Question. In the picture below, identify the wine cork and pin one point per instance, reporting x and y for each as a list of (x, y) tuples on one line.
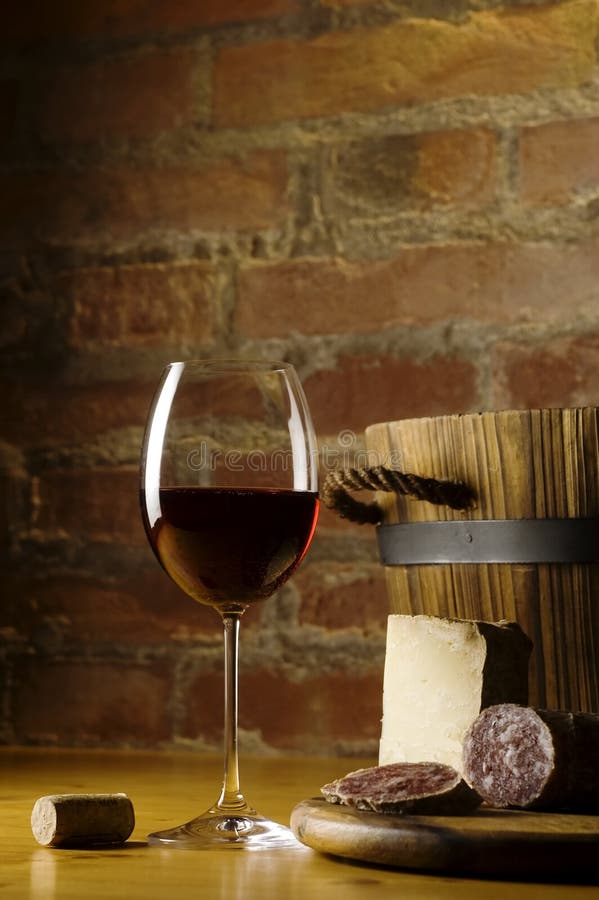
[(77, 820)]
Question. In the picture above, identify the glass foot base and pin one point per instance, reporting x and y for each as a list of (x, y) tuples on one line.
[(229, 831)]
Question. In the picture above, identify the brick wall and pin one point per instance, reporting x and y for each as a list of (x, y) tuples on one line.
[(400, 198)]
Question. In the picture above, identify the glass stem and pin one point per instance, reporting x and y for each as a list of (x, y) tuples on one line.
[(231, 799)]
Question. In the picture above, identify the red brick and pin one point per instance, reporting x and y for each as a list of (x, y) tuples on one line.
[(139, 304), (99, 504), (125, 18), (41, 414), (561, 373), (137, 610), (412, 172), (91, 702), (306, 716), (341, 595), (487, 282), (52, 413), (82, 205), (420, 285), (311, 714), (135, 97), (363, 390), (559, 160), (229, 395), (204, 708), (408, 61), (548, 281)]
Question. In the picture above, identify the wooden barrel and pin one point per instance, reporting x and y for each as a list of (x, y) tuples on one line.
[(527, 468)]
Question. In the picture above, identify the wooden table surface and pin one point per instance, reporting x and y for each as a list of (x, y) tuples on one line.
[(169, 788)]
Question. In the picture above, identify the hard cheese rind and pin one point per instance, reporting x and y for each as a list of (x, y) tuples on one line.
[(439, 674)]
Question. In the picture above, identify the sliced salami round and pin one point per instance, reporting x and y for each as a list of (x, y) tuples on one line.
[(534, 759), (422, 787)]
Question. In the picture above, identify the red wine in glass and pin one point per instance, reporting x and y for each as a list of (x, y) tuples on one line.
[(230, 530), (229, 547)]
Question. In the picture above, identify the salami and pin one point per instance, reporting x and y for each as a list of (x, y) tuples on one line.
[(423, 787), (516, 756)]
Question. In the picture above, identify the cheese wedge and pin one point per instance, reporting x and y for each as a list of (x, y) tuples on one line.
[(439, 674)]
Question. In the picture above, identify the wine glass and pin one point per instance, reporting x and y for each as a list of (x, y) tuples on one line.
[(229, 502)]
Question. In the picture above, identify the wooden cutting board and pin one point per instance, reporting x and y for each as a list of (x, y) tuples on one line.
[(489, 843)]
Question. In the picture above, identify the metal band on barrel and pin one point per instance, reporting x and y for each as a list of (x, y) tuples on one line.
[(490, 541)]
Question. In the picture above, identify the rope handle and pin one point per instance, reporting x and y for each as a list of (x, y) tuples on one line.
[(339, 482)]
